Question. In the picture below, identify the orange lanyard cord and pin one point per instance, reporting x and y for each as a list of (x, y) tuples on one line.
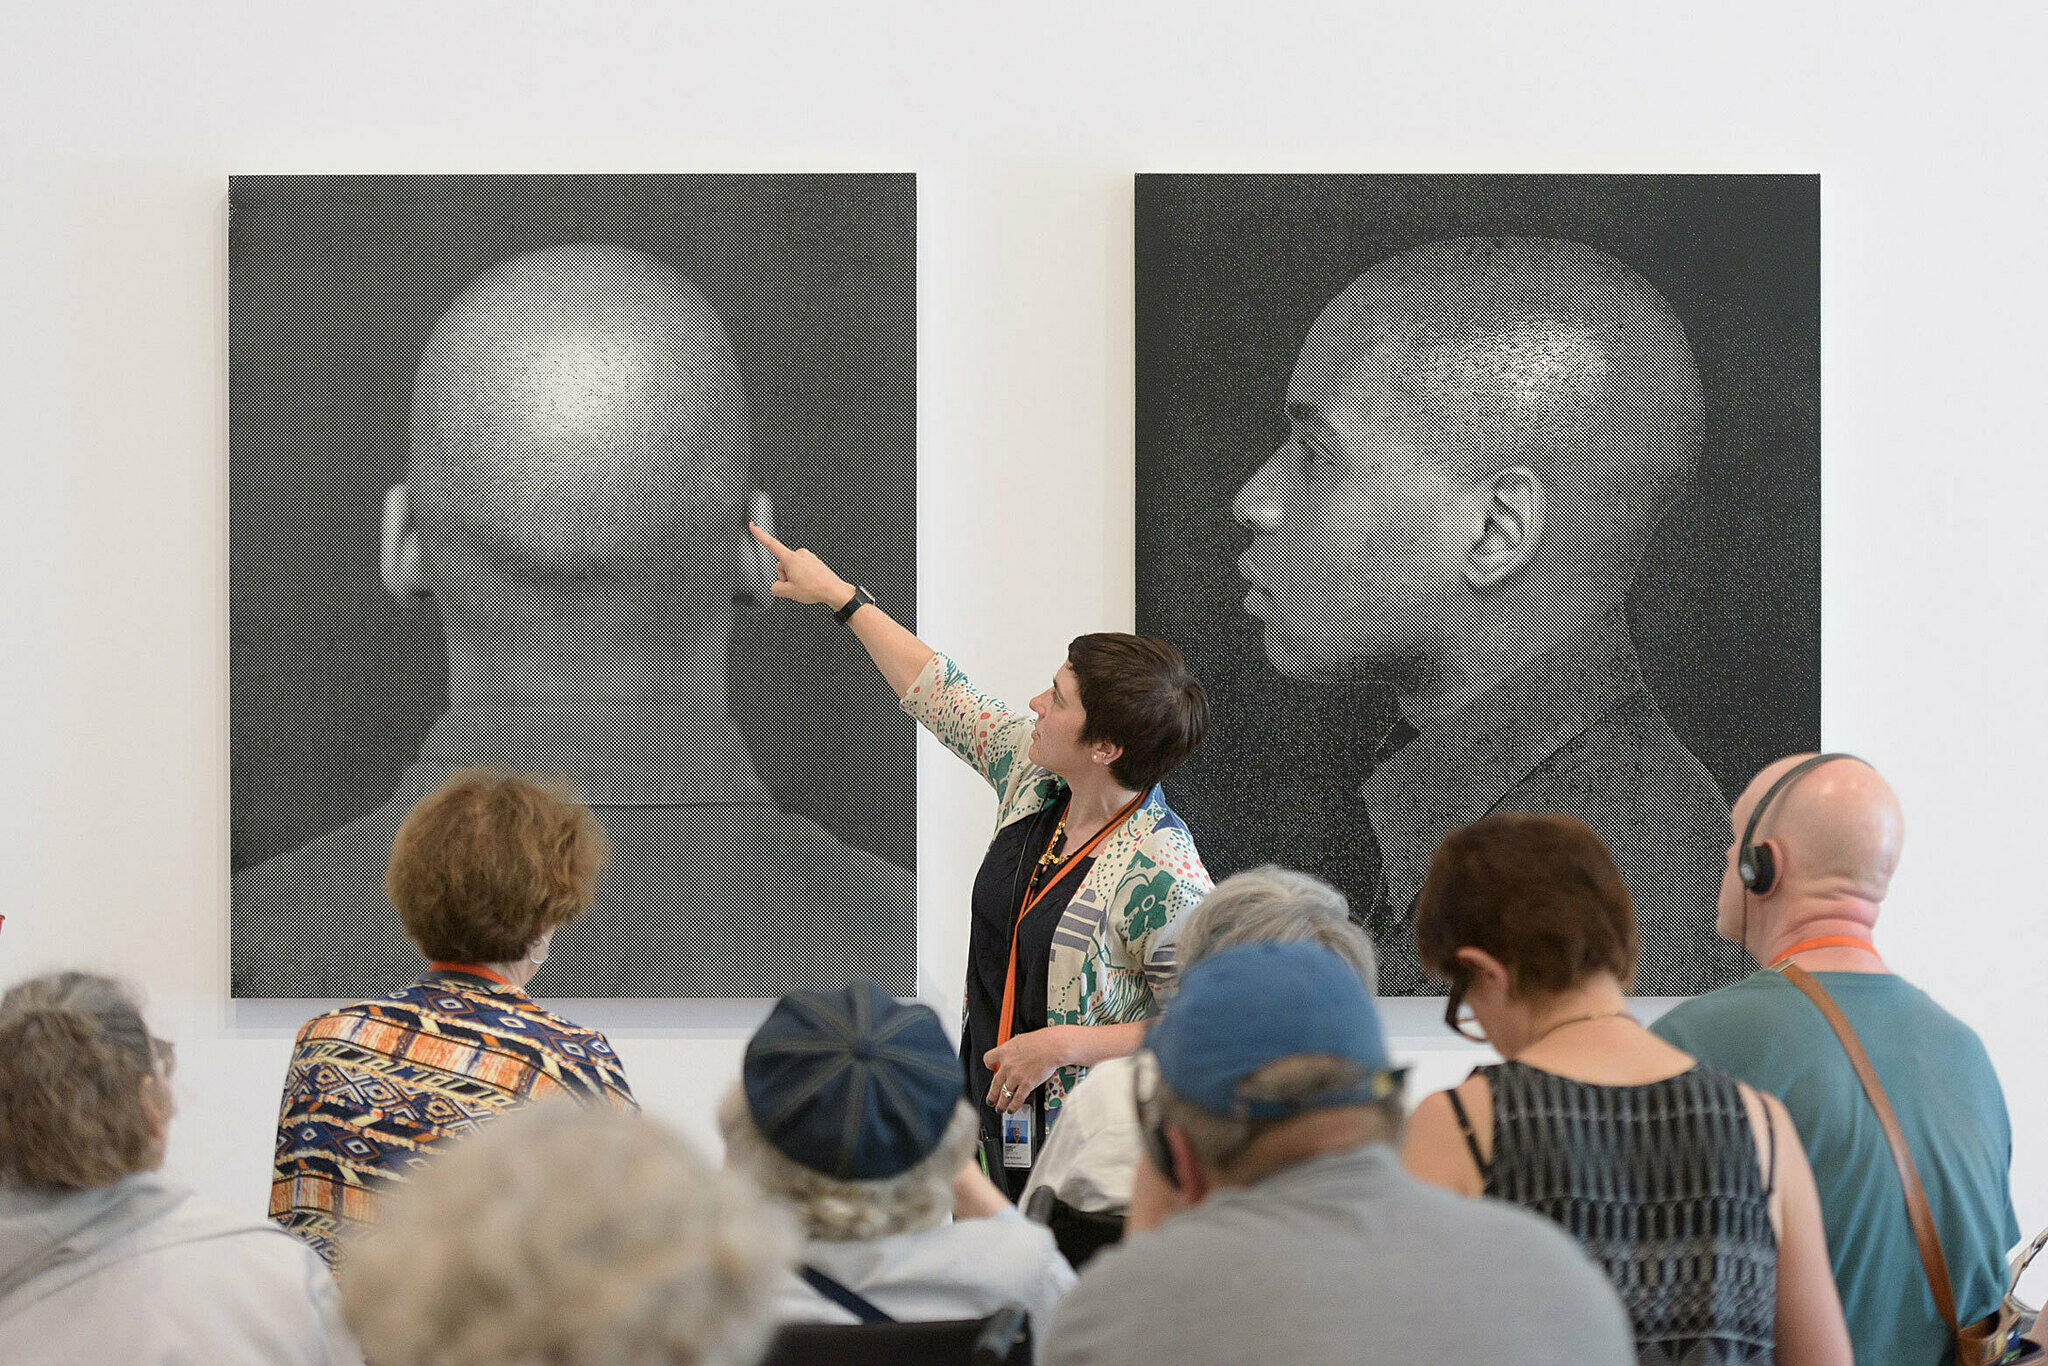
[(471, 969), (1830, 941), (1067, 865)]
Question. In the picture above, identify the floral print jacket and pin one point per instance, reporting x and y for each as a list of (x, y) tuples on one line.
[(1109, 955)]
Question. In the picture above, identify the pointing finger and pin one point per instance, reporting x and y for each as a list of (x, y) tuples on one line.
[(774, 547)]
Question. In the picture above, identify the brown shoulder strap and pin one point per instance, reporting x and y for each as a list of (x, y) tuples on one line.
[(1917, 1213)]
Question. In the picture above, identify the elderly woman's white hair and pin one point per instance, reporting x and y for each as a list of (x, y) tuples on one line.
[(838, 1211), (1274, 905), (574, 1238)]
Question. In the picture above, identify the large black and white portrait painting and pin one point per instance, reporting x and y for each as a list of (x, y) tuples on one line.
[(495, 444), (1482, 492)]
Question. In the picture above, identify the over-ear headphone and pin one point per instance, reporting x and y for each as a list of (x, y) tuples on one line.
[(1755, 866), (1161, 1151), (1151, 1127)]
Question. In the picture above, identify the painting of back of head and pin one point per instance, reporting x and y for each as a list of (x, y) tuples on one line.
[(1469, 493), (495, 444)]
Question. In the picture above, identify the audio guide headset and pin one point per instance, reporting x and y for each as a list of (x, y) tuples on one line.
[(1151, 1127), (1754, 864), (1161, 1151)]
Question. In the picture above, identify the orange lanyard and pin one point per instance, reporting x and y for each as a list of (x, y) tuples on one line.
[(1830, 941), (1067, 865), (472, 969)]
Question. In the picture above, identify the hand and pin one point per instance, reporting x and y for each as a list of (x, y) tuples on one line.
[(1023, 1064), (802, 576)]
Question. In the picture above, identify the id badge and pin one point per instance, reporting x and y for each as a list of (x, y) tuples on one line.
[(1017, 1139)]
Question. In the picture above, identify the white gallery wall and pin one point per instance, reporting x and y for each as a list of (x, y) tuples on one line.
[(1024, 124)]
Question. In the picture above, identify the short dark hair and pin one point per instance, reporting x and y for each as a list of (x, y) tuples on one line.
[(1138, 695), (1538, 892), (489, 862)]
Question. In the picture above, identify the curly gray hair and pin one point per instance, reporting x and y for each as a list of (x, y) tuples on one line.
[(850, 1211), (572, 1237), (1274, 905), (84, 1088)]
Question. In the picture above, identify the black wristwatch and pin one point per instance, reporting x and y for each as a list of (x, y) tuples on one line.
[(861, 597)]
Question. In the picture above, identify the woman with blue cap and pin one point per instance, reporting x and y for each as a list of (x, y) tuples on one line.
[(850, 1110)]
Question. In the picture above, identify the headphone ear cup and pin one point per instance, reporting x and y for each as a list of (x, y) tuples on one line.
[(1761, 871)]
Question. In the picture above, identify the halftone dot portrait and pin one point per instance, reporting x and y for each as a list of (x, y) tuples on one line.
[(496, 441), (1468, 493)]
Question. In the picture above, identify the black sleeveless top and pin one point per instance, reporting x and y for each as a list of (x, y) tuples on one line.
[(1660, 1184)]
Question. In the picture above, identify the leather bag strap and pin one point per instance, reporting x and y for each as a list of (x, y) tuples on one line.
[(1917, 1213)]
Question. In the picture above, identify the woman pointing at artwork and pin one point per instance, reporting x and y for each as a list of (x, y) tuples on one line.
[(1088, 863)]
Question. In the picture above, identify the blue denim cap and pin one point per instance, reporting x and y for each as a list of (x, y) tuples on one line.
[(851, 1083), (1254, 1004)]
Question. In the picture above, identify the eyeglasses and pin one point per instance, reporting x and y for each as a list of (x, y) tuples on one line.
[(1458, 1015)]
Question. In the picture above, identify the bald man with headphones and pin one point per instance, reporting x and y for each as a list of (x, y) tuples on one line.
[(576, 510), (1814, 842)]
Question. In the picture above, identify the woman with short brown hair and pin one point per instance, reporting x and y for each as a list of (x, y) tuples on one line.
[(101, 1257), (1087, 867), (483, 872), (1689, 1187), (491, 864)]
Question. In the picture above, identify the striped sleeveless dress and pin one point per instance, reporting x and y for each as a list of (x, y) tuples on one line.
[(1660, 1184)]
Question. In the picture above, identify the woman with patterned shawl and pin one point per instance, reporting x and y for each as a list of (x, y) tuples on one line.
[(484, 870), (1088, 865)]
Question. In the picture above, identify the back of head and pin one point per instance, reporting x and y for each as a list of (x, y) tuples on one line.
[(490, 861), (1274, 905), (1540, 893), (1839, 827), (578, 413), (1544, 353), (74, 1056), (582, 1237), (837, 1209), (1263, 1037), (851, 1108), (1139, 694)]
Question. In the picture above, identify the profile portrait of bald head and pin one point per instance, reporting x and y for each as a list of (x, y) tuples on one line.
[(1482, 435), (574, 512)]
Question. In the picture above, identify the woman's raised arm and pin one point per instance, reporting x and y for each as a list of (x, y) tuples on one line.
[(803, 577)]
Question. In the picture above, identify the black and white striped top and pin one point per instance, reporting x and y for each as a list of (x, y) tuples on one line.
[(1661, 1185)]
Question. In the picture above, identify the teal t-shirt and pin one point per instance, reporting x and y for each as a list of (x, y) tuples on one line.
[(1940, 1081)]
